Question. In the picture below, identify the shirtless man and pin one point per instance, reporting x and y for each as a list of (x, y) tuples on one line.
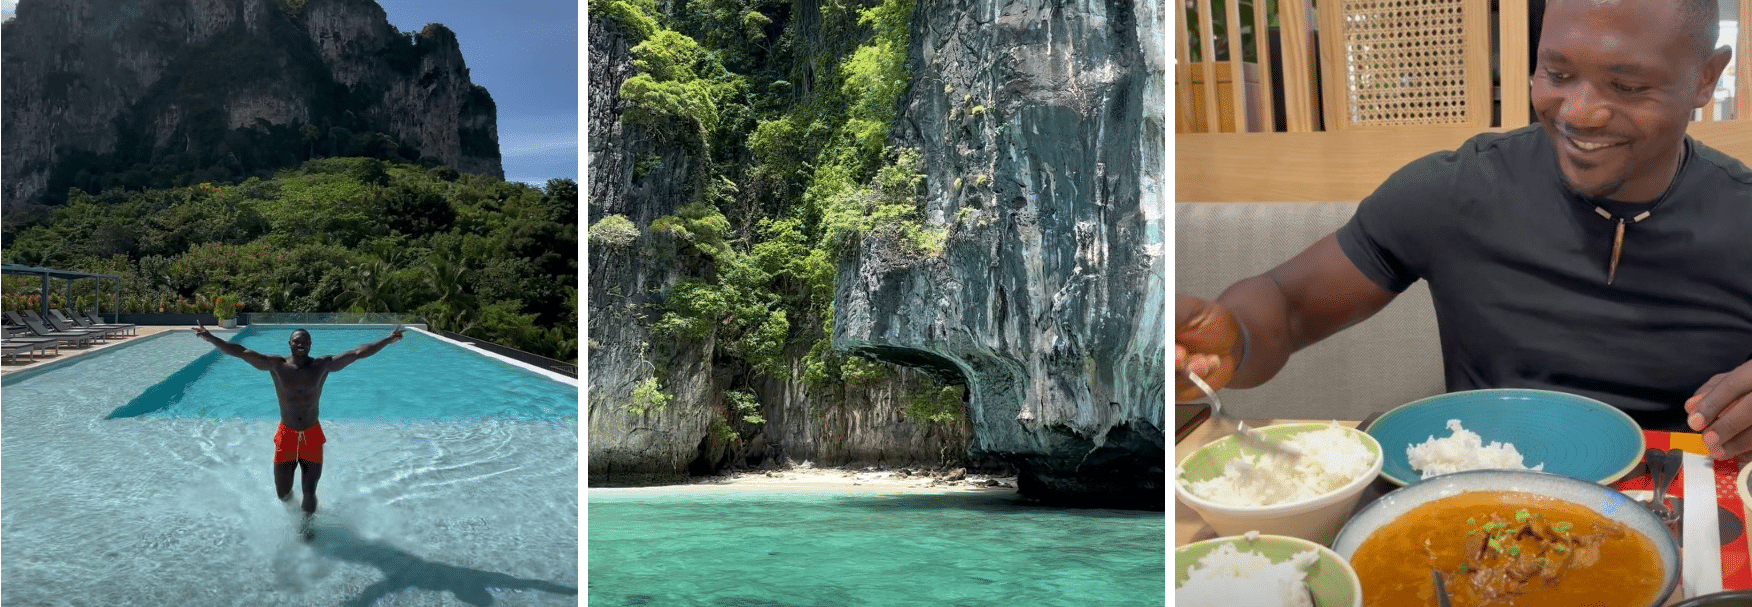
[(298, 382)]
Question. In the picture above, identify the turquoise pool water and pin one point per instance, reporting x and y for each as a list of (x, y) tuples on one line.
[(166, 508), (724, 549), (420, 377)]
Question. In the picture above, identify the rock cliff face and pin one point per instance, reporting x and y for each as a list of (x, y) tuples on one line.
[(106, 84), (697, 432), (1042, 129)]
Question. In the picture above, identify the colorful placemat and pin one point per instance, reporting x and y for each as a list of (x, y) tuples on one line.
[(1736, 571)]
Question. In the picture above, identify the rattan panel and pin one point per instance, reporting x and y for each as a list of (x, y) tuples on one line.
[(1407, 61)]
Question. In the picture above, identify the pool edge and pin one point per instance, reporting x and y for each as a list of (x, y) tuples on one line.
[(466, 346), (23, 374), (469, 346)]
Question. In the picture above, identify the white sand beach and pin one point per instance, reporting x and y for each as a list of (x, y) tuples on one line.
[(867, 479)]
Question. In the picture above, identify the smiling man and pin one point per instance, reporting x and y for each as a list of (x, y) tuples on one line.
[(1601, 252), (298, 383)]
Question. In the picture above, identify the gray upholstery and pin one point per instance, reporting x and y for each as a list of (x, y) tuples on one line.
[(1388, 360)]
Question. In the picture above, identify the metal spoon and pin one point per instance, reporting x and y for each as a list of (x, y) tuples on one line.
[(1441, 590), (1663, 467), (1248, 436), (1656, 460)]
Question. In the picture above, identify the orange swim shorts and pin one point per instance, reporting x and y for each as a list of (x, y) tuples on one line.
[(292, 445)]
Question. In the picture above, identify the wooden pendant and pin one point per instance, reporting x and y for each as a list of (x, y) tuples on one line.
[(1618, 239), (1617, 247)]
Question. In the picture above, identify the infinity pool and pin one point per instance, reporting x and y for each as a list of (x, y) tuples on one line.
[(420, 377), (450, 478)]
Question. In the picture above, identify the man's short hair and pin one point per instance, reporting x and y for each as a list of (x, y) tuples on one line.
[(1703, 22), (297, 331), (1701, 19)]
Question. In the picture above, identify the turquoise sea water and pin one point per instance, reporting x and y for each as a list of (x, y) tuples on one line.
[(673, 547)]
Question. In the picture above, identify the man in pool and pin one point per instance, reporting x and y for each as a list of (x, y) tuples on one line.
[(298, 382)]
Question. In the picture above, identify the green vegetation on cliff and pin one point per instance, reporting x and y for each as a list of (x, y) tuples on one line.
[(471, 254), (789, 107)]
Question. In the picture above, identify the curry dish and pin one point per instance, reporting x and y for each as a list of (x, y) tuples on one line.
[(1503, 548)]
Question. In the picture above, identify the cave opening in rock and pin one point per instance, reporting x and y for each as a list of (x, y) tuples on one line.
[(944, 370)]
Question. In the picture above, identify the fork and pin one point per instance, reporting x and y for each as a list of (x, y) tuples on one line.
[(1248, 435)]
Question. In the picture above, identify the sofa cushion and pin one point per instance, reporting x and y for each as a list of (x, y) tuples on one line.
[(1388, 360)]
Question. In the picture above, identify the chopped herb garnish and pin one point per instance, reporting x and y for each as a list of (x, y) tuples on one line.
[(1562, 529), (1495, 545), (1521, 516), (1464, 568), (1514, 551)]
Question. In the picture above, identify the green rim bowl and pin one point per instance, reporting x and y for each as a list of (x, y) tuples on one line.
[(1330, 578), (1317, 519)]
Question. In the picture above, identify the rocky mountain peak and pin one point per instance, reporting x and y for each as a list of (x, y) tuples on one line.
[(136, 93)]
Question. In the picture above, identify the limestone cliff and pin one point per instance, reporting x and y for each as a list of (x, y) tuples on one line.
[(96, 87), (1040, 124), (697, 431), (1042, 127)]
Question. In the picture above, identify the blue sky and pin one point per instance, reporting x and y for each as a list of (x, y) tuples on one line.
[(525, 52)]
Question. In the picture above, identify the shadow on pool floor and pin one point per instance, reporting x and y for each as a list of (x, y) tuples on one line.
[(402, 571)]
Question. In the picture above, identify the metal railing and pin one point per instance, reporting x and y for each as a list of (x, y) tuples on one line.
[(328, 318)]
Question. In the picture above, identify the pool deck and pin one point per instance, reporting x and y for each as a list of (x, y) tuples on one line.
[(9, 367)]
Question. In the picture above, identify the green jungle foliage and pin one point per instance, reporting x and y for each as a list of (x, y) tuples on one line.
[(476, 255), (943, 405), (791, 116)]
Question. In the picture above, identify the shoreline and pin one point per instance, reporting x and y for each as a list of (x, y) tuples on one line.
[(805, 477)]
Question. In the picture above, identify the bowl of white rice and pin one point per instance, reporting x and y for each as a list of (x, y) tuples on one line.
[(1508, 428), (1237, 488), (1256, 570)]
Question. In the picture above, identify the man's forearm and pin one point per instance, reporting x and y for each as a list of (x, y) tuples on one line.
[(222, 345), (212, 339), (1261, 308), (373, 347)]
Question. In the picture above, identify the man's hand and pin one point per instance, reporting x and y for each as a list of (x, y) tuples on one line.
[(396, 334), (1722, 411), (1207, 341), (201, 330)]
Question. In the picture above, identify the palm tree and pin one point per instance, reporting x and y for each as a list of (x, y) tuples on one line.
[(454, 304), (368, 289)]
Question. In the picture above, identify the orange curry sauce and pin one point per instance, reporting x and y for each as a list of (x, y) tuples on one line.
[(1503, 548)]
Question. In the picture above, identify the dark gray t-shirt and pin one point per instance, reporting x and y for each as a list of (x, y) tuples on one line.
[(1517, 262)]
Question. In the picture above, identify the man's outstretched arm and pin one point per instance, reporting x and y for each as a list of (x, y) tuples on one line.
[(255, 359), (349, 357), (1245, 336)]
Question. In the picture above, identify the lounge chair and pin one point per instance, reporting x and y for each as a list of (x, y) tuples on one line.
[(56, 322), (91, 315), (14, 346), (75, 321), (80, 338)]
